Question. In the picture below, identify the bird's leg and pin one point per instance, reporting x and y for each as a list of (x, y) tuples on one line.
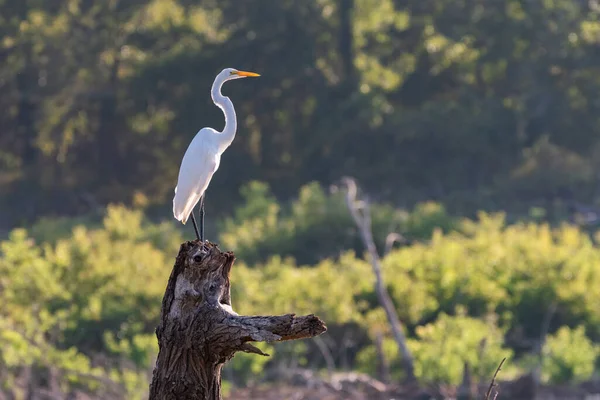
[(202, 217), (195, 226)]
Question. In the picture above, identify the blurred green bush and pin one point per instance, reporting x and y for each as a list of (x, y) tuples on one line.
[(441, 349), (317, 225), (85, 303), (569, 356)]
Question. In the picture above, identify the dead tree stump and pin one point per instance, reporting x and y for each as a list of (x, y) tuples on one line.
[(199, 331)]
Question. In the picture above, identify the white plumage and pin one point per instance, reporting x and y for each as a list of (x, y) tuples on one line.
[(203, 155), (198, 166)]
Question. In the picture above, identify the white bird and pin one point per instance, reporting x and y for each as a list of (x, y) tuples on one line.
[(203, 155)]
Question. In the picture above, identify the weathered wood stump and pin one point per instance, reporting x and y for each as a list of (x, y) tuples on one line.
[(199, 331)]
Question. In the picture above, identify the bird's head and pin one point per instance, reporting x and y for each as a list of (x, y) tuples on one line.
[(232, 73)]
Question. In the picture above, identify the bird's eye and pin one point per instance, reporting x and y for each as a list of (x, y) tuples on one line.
[(197, 259), (232, 72)]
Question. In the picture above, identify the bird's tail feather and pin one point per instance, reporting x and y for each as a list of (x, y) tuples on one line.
[(181, 210)]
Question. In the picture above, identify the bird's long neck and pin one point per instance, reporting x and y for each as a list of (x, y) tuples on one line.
[(225, 104)]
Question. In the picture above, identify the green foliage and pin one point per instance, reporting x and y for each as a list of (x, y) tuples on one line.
[(569, 356), (49, 230), (85, 303), (513, 270), (279, 287), (367, 359), (93, 292), (426, 218), (452, 111), (486, 266), (549, 170), (245, 368), (442, 348), (487, 107), (317, 225)]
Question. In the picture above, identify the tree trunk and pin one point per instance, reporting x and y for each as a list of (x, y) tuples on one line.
[(359, 209), (199, 331)]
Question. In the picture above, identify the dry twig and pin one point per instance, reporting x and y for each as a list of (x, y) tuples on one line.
[(493, 382)]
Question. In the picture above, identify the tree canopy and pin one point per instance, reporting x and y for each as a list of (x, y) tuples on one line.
[(476, 104)]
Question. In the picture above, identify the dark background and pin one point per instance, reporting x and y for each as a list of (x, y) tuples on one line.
[(477, 104)]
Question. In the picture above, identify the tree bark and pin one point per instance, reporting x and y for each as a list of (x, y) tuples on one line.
[(199, 331)]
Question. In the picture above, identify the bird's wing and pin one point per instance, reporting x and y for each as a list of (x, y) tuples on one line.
[(197, 168)]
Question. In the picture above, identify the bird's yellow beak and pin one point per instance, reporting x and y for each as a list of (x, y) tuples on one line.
[(247, 74)]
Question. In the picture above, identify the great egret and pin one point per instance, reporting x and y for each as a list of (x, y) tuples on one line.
[(203, 155)]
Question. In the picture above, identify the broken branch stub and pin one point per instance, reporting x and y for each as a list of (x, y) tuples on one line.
[(199, 331)]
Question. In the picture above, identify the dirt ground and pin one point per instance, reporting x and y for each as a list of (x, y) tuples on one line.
[(361, 387), (296, 393)]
